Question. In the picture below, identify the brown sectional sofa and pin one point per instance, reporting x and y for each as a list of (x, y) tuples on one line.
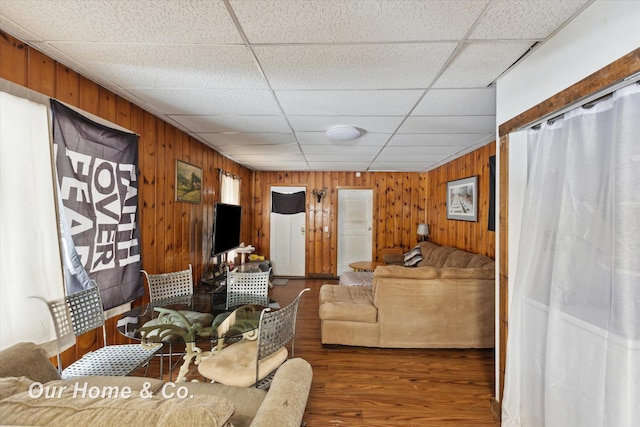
[(32, 393), (447, 301)]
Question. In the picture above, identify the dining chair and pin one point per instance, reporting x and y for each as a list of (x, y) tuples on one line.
[(82, 312), (178, 286), (254, 361), (247, 288)]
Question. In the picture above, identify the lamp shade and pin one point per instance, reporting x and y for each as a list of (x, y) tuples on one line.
[(423, 229), (343, 133)]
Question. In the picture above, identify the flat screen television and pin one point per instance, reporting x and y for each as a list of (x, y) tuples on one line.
[(226, 228)]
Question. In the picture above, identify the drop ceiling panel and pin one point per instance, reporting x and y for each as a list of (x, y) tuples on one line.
[(531, 19), (448, 124), (480, 63), (343, 151), (459, 139), (201, 124), (338, 165), (320, 138), (427, 150), (169, 66), (348, 102), (328, 21), (263, 150), (402, 166), (323, 123), (460, 102), (141, 21), (210, 101), (257, 138), (354, 66)]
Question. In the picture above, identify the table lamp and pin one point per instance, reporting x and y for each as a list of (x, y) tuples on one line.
[(423, 230)]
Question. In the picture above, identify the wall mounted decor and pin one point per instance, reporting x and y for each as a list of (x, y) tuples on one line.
[(188, 182), (462, 199)]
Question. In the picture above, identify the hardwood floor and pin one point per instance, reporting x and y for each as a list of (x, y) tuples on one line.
[(357, 386)]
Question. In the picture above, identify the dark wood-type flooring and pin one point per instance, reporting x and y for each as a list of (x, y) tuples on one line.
[(357, 386)]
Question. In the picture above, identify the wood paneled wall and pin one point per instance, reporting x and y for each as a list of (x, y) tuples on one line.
[(402, 200), (471, 236), (399, 206)]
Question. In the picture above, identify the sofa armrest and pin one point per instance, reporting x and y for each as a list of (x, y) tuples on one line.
[(286, 400)]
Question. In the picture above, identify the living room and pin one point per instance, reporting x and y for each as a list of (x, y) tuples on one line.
[(174, 234)]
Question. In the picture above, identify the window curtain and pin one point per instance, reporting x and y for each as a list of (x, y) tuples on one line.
[(30, 260), (573, 353), (230, 194)]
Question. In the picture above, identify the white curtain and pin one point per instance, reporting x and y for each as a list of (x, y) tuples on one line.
[(573, 353), (30, 263), (229, 189)]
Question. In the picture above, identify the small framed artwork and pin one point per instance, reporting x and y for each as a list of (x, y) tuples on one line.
[(462, 199), (188, 182)]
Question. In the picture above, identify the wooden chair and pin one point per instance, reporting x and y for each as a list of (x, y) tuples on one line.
[(83, 312), (253, 362)]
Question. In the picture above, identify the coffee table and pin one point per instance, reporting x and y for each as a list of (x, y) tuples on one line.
[(168, 321), (364, 265)]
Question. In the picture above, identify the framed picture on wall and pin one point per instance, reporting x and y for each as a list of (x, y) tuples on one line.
[(462, 199), (188, 182)]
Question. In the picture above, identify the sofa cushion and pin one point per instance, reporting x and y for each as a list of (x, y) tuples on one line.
[(13, 385), (29, 360), (413, 257), (353, 303), (467, 273), (246, 400), (481, 261), (67, 409), (457, 259), (437, 257)]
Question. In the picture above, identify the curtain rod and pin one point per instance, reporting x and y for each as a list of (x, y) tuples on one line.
[(227, 173), (592, 102)]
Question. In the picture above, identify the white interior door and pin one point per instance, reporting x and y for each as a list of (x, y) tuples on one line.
[(355, 227), (287, 242)]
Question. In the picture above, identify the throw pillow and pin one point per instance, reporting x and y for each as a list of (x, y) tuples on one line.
[(413, 257)]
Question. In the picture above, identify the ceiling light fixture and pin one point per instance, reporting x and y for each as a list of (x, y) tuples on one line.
[(343, 133)]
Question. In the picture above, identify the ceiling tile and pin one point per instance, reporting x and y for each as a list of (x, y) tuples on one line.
[(448, 124), (440, 102), (169, 66), (257, 138), (320, 138), (459, 139), (426, 150), (210, 101), (348, 102), (312, 21), (480, 63), (353, 66), (338, 166), (140, 21), (525, 19), (263, 150), (402, 166), (201, 124), (323, 123)]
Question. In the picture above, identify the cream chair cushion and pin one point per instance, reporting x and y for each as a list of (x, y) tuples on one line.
[(236, 364)]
